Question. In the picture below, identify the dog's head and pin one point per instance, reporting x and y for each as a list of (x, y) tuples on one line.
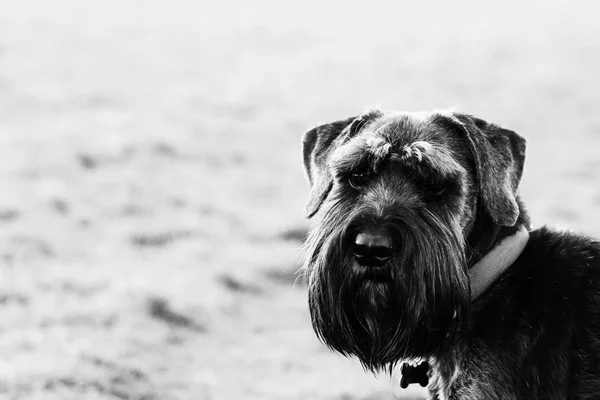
[(400, 192)]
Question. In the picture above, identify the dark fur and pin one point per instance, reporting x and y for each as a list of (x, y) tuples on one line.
[(533, 335)]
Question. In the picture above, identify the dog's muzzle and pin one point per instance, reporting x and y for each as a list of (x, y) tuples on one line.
[(385, 286)]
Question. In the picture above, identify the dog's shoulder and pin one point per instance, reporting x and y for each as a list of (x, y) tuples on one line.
[(560, 270), (556, 276), (567, 296), (556, 248)]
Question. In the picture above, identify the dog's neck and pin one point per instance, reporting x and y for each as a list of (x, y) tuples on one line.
[(492, 248), (483, 274)]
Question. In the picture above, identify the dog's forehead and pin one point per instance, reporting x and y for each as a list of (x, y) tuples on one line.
[(401, 128)]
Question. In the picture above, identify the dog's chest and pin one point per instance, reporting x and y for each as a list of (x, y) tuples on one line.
[(449, 382)]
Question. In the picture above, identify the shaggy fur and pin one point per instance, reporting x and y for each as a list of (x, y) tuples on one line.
[(443, 186)]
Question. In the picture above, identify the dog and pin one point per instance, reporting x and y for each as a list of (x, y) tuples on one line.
[(425, 253)]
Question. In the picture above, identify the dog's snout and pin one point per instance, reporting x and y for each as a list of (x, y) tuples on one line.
[(372, 247)]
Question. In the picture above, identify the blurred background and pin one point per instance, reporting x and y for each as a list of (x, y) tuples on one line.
[(151, 185)]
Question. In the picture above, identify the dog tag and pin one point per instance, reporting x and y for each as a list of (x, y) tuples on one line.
[(414, 374)]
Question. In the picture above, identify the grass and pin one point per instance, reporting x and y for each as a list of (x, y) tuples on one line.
[(152, 186)]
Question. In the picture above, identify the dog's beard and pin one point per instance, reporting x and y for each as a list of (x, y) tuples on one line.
[(412, 312)]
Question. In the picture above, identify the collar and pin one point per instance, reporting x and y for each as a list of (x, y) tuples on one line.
[(494, 263)]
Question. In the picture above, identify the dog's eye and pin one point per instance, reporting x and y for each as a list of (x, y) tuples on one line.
[(356, 180)]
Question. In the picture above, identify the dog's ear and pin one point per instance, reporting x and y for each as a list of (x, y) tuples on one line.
[(499, 156), (317, 146)]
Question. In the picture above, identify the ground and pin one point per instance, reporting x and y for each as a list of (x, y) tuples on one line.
[(151, 184)]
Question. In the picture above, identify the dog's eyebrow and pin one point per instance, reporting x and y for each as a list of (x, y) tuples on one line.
[(349, 157), (365, 152), (426, 157)]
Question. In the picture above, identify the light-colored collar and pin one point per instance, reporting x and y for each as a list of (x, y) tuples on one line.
[(494, 263)]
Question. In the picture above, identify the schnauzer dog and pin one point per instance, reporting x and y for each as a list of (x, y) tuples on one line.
[(425, 253)]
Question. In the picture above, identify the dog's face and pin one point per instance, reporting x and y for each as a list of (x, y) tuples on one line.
[(386, 266)]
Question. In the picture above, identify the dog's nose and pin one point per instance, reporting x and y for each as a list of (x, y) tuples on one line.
[(372, 247)]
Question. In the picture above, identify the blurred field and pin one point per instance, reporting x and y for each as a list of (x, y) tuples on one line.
[(151, 185)]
